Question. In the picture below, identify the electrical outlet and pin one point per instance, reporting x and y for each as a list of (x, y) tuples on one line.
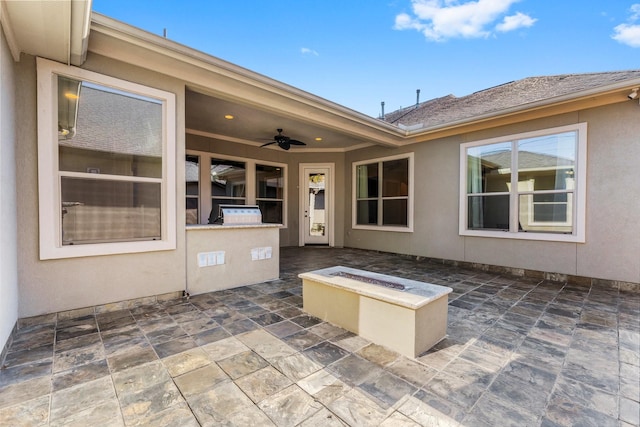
[(211, 258), (258, 254), (202, 259)]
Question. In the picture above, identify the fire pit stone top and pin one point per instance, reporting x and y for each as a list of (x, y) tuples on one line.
[(392, 289)]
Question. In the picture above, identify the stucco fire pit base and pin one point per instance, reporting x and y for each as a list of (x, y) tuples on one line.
[(404, 315)]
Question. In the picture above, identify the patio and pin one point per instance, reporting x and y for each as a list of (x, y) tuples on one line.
[(519, 352)]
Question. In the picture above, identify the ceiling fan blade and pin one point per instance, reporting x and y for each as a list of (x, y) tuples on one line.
[(268, 143), (284, 145), (296, 142)]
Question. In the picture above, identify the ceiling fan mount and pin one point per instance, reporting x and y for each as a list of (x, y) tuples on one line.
[(283, 141)]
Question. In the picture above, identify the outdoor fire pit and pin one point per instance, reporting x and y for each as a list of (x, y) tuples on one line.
[(404, 315)]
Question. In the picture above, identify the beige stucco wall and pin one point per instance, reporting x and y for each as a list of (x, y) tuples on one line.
[(612, 248), (8, 238), (613, 195), (56, 285), (239, 267)]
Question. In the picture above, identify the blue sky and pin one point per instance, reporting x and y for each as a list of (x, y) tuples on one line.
[(361, 52)]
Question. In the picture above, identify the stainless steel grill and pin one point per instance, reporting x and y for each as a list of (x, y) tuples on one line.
[(240, 215)]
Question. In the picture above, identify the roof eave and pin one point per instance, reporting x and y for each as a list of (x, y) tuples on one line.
[(54, 30)]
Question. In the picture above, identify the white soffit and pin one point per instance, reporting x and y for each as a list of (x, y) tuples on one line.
[(55, 29)]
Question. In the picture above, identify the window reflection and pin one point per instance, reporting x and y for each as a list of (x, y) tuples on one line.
[(110, 163), (270, 193), (543, 182), (104, 131), (98, 210), (228, 185)]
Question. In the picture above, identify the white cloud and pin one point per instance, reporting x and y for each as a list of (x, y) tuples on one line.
[(405, 22), (513, 22), (443, 19), (307, 51), (629, 34), (635, 12)]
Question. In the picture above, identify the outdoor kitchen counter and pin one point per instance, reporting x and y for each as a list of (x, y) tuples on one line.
[(227, 256), (229, 226)]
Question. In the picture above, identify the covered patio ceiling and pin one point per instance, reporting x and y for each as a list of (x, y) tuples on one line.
[(208, 115)]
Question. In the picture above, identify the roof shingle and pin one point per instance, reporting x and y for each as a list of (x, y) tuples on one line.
[(447, 109)]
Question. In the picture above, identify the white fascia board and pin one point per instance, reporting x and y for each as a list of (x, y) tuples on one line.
[(80, 25), (57, 30), (7, 29)]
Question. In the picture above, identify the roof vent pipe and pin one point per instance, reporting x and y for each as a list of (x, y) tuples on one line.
[(382, 105), (417, 97)]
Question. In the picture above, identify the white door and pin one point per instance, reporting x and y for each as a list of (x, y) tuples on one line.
[(316, 205)]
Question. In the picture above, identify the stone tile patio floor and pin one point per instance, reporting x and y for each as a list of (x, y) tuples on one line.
[(519, 352)]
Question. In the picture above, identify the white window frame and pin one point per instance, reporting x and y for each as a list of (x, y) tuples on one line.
[(272, 199), (251, 190), (196, 197), (49, 176), (410, 195), (579, 193)]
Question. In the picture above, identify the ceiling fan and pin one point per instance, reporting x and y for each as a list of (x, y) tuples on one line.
[(283, 142)]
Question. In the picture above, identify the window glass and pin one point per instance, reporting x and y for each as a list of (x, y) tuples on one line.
[(547, 162), (105, 132), (316, 199), (488, 212), (228, 178), (98, 210), (236, 182), (549, 213), (546, 172), (269, 181), (271, 211), (382, 192), (367, 178), (395, 175), (394, 212), (489, 168), (367, 212), (108, 132), (538, 195), (192, 173), (228, 185), (270, 193)]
